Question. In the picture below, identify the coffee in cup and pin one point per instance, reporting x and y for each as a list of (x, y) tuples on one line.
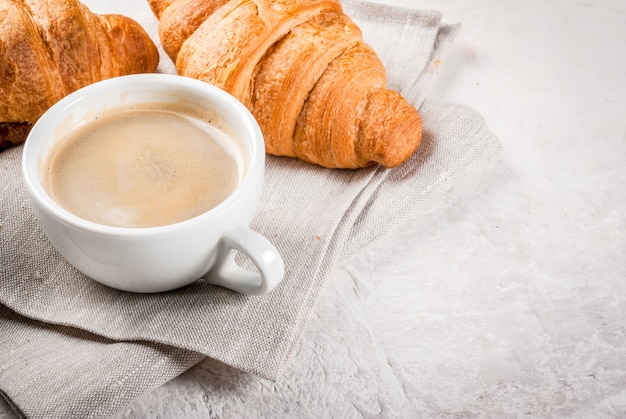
[(144, 165), (198, 169)]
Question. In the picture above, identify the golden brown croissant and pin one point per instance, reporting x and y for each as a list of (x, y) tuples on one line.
[(317, 90), (50, 48)]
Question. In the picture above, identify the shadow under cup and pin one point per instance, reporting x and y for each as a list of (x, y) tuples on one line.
[(155, 259)]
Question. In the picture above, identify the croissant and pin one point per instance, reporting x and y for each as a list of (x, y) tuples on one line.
[(50, 48), (303, 69)]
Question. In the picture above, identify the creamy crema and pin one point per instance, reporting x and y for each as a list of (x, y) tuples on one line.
[(143, 166)]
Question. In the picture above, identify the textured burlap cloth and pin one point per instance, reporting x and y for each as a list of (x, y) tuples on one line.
[(73, 348)]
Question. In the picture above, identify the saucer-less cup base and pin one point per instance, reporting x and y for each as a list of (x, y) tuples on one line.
[(168, 257)]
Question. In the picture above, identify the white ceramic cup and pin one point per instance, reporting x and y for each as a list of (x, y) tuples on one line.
[(156, 259)]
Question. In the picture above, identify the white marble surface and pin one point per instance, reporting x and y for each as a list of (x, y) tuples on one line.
[(508, 297)]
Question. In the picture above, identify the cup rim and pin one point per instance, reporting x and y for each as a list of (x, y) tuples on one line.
[(30, 154)]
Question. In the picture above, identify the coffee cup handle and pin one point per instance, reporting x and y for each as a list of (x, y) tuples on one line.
[(228, 274)]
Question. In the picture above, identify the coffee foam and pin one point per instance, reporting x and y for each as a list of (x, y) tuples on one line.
[(144, 166)]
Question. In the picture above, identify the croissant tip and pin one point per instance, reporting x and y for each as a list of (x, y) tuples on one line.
[(13, 133), (391, 129)]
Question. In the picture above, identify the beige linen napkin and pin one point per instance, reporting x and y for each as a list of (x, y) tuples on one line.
[(73, 348)]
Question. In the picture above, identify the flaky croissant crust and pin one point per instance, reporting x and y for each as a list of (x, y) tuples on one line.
[(301, 66), (50, 48)]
